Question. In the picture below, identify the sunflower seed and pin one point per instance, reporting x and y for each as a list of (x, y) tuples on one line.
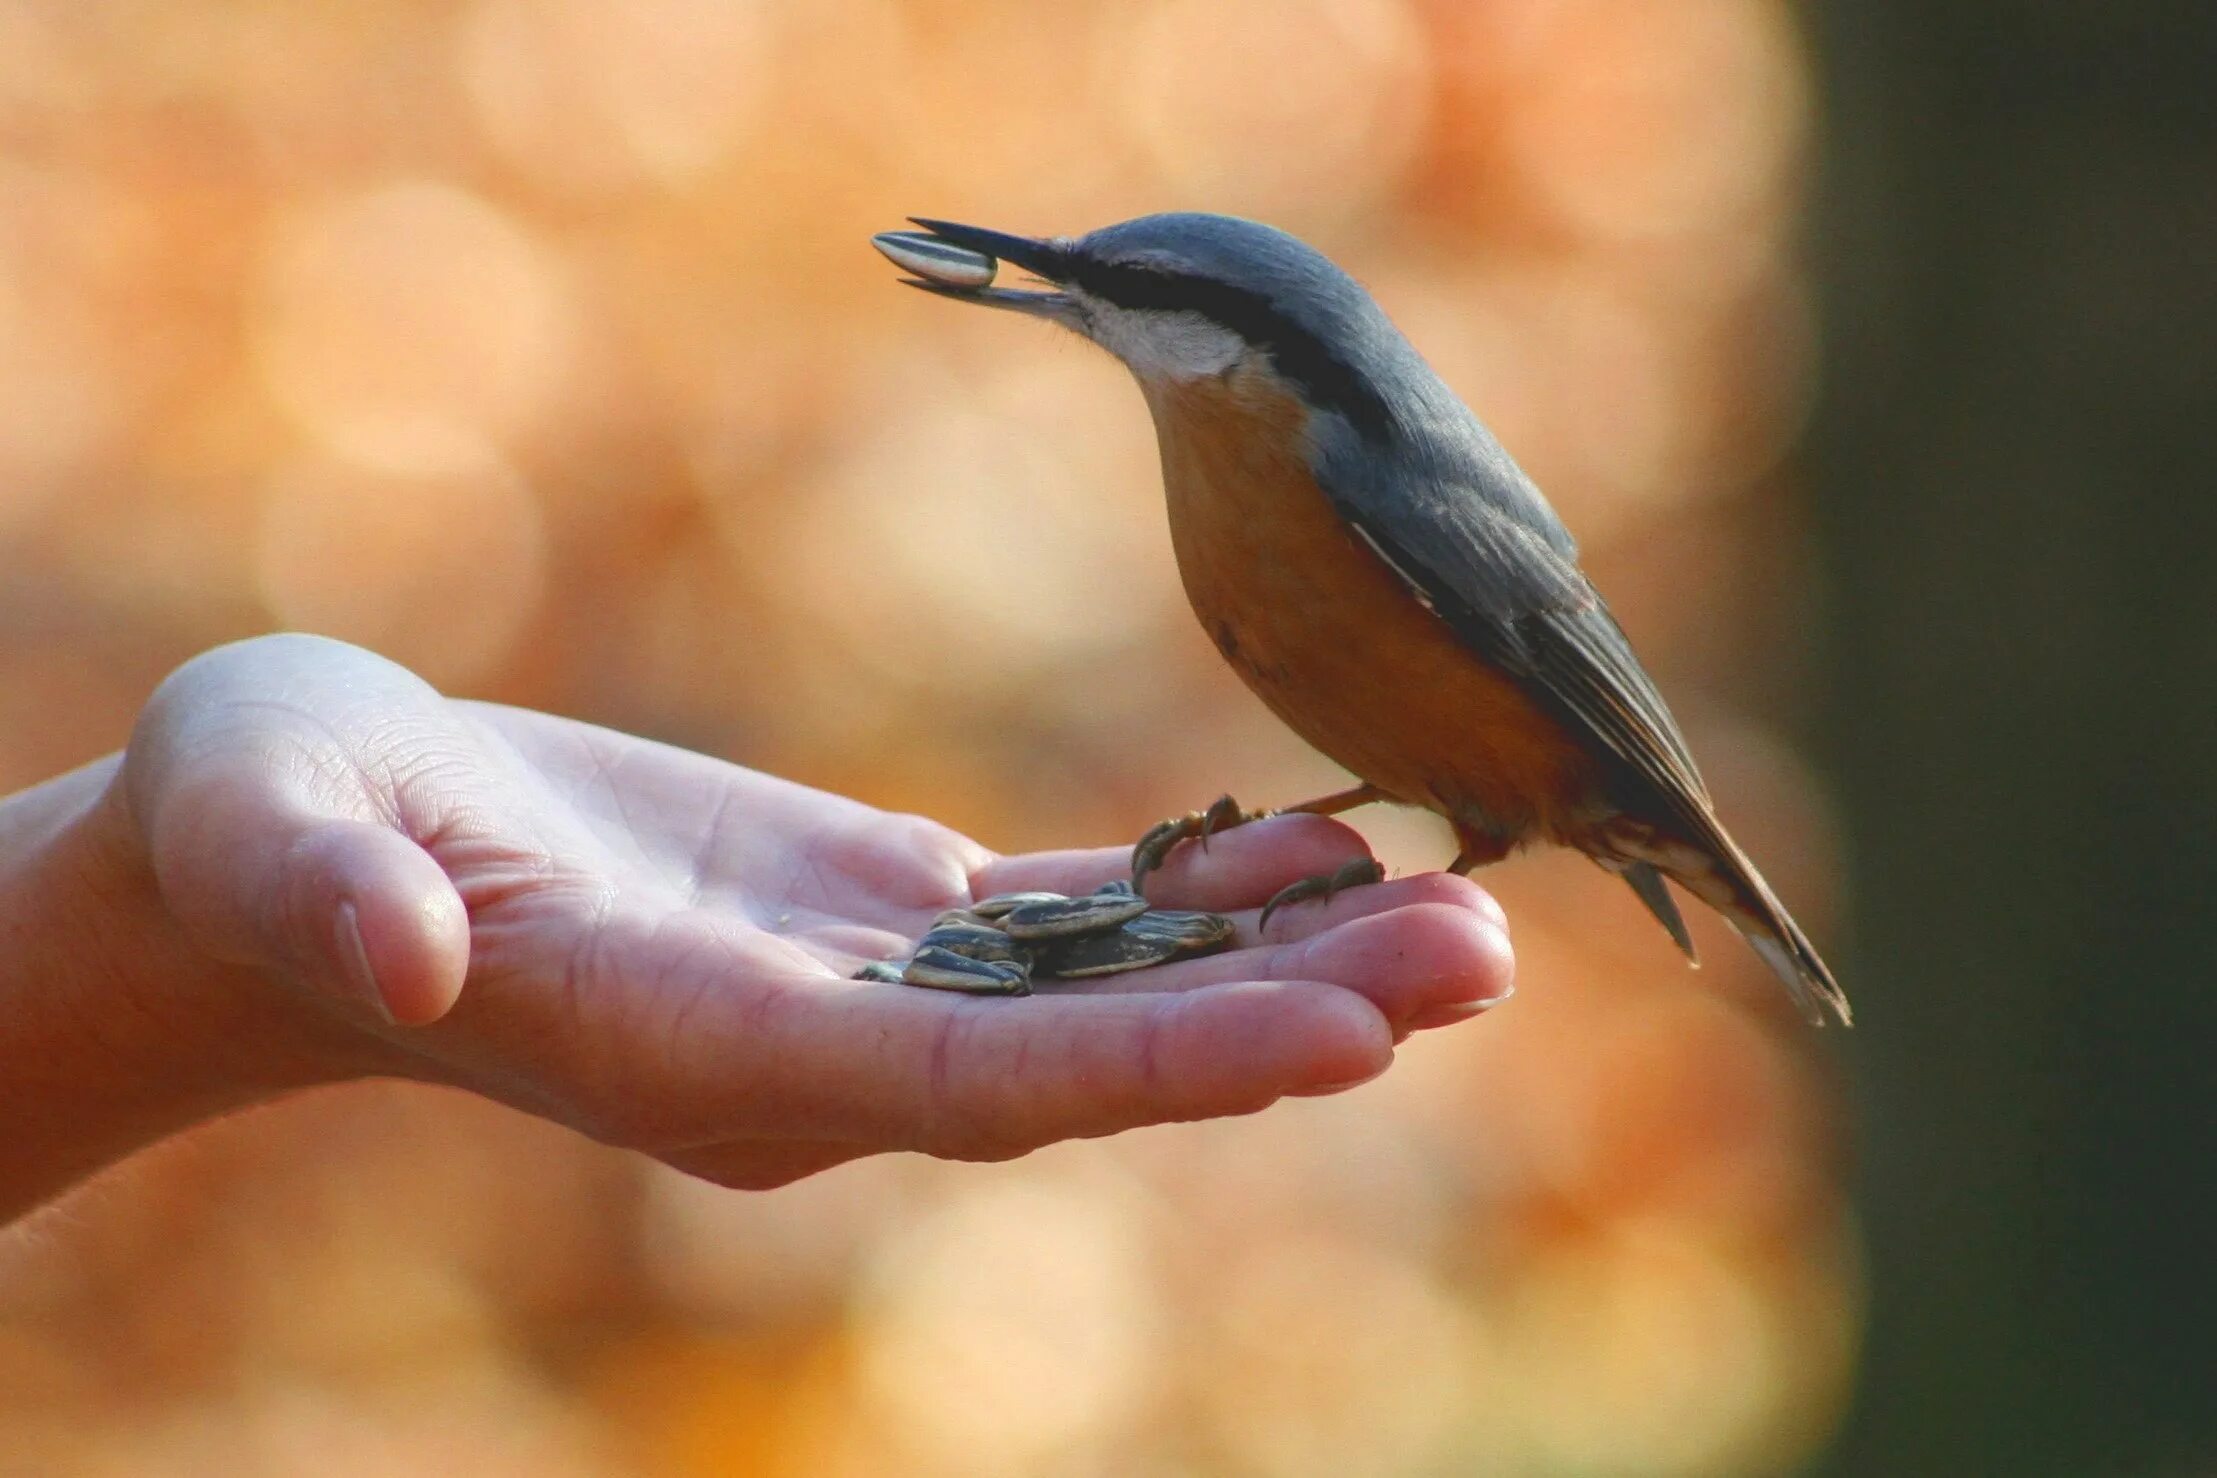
[(1067, 916), (1086, 955), (1192, 933), (1001, 903), (943, 969), (974, 942), (880, 972), (935, 260), (1151, 939)]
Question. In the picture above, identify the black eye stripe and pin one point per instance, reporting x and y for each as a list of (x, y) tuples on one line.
[(1301, 356)]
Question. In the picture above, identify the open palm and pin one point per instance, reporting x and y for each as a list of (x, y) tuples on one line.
[(654, 947)]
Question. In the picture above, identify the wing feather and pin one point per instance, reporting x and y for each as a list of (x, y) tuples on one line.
[(1479, 547), (1515, 595)]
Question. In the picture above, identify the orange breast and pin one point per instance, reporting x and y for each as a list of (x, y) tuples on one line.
[(1329, 637)]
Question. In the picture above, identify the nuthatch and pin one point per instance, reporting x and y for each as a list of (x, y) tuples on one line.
[(1377, 568)]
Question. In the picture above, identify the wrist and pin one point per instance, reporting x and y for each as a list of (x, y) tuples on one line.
[(115, 1030)]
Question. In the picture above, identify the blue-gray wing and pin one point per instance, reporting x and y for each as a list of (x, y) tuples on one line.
[(1494, 564), (1476, 543)]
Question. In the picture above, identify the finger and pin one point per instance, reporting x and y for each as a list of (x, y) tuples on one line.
[(350, 907), (896, 1067), (1420, 964), (1299, 920), (1239, 868), (268, 844), (759, 1165), (401, 932)]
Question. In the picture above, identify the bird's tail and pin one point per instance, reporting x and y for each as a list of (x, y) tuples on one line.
[(1793, 959), (1718, 873)]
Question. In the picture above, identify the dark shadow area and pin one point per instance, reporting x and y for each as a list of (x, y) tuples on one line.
[(2013, 467)]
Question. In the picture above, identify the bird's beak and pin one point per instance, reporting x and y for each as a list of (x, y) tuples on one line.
[(1044, 260)]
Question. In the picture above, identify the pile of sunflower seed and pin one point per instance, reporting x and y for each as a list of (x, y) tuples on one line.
[(998, 946)]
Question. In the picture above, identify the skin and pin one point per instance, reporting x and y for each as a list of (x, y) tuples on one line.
[(310, 867)]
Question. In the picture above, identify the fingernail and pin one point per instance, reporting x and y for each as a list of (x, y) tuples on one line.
[(354, 961), (1455, 1011), (1323, 1090)]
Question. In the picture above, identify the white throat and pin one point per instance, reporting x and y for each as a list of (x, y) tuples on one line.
[(1162, 345)]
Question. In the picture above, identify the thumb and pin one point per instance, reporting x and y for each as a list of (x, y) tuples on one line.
[(363, 912), (350, 909), (267, 858)]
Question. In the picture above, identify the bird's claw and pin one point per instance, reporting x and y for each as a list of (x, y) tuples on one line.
[(1223, 814), (1355, 873)]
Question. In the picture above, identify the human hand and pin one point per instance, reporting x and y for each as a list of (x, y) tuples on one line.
[(653, 947)]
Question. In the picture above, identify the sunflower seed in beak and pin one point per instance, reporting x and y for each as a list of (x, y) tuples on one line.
[(936, 261)]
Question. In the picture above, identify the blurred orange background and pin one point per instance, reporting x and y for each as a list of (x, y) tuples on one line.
[(539, 346)]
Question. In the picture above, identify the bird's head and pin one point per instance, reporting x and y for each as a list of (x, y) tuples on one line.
[(1185, 296)]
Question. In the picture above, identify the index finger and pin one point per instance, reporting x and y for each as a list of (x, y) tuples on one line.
[(892, 1067), (1239, 868)]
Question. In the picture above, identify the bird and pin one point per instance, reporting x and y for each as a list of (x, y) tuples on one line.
[(1377, 568)]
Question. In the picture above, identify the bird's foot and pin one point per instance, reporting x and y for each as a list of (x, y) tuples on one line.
[(1354, 873), (1223, 814)]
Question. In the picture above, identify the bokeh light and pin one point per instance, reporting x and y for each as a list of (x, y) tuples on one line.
[(539, 346), (1009, 1326), (410, 324), (601, 94), (438, 572), (1261, 108)]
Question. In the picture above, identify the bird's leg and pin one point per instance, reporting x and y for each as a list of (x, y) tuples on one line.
[(1336, 802), (1355, 872), (1225, 813), (1479, 849)]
